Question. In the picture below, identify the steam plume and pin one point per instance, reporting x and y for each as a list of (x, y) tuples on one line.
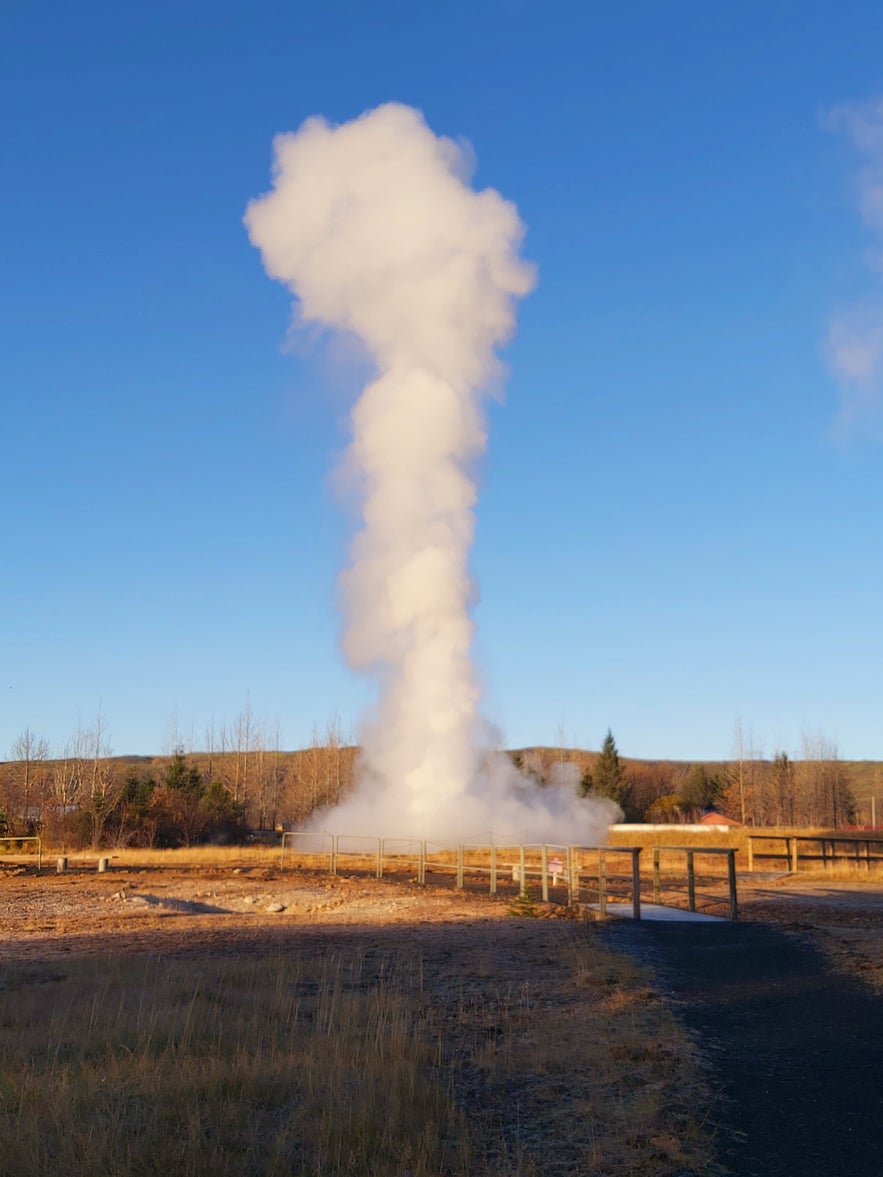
[(855, 337), (375, 229)]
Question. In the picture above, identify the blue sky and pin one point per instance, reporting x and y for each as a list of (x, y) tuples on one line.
[(677, 525)]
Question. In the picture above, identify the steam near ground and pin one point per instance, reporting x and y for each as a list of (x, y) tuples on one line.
[(375, 229)]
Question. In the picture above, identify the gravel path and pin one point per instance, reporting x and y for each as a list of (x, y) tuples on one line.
[(795, 1048)]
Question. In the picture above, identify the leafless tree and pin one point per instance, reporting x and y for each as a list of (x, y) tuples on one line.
[(31, 751), (102, 788)]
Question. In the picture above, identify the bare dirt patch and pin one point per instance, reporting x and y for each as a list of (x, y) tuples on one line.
[(46, 914)]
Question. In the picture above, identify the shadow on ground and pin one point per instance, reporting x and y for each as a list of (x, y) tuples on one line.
[(795, 1048)]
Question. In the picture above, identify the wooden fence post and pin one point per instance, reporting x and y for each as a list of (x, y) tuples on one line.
[(731, 876), (636, 884), (657, 880), (544, 864), (691, 882)]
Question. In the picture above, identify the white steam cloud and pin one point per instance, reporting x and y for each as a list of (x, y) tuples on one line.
[(855, 336), (375, 229)]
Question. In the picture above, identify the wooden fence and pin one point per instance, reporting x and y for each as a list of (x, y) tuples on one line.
[(594, 876), (663, 883), (18, 844), (857, 850)]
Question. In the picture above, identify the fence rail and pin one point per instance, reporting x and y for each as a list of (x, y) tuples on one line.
[(829, 850), (577, 875), (661, 884), (39, 842)]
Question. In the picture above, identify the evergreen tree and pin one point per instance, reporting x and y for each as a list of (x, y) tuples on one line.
[(183, 776), (608, 777)]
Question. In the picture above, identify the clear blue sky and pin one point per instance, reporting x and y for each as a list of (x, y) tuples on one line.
[(673, 531)]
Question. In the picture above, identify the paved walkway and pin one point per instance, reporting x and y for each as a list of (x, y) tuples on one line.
[(656, 911), (796, 1050)]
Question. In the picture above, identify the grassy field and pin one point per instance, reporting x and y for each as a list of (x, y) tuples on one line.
[(529, 1049)]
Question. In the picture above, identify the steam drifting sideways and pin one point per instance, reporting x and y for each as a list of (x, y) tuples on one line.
[(375, 229)]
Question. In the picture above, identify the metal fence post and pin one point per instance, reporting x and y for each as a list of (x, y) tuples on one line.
[(333, 860), (421, 865), (521, 878), (602, 882)]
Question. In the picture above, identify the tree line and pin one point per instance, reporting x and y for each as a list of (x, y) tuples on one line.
[(243, 782), (812, 791), (240, 784)]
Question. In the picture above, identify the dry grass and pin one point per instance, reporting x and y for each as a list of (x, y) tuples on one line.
[(224, 1067), (535, 1051), (193, 857), (735, 839)]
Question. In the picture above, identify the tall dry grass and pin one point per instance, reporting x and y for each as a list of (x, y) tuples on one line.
[(229, 1066), (348, 1063)]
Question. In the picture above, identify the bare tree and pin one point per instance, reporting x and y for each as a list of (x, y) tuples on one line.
[(243, 734), (31, 751), (333, 756), (103, 795), (825, 796), (743, 795)]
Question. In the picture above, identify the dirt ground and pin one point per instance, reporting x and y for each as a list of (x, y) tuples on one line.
[(602, 1078), (807, 955), (843, 918), (132, 908), (137, 908)]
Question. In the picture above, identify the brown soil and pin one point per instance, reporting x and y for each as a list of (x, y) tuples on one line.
[(135, 909)]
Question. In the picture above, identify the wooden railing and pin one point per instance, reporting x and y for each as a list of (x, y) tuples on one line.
[(575, 875), (19, 843), (662, 882), (830, 849)]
